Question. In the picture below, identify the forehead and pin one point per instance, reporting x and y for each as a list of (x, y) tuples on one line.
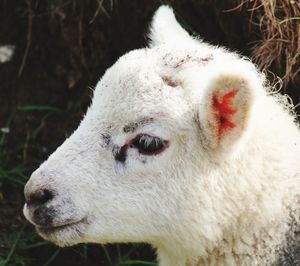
[(138, 85)]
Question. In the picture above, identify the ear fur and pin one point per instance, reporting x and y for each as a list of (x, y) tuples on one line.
[(165, 28), (225, 113)]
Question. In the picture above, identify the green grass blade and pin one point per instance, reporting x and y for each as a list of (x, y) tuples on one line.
[(38, 108), (14, 245), (136, 262), (55, 254)]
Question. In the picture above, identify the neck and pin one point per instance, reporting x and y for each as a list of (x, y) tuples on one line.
[(277, 242)]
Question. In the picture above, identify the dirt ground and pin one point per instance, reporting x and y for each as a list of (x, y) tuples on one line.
[(62, 48)]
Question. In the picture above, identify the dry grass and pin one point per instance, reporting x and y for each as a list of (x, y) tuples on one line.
[(278, 22)]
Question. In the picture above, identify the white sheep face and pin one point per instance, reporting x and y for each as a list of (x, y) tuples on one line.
[(105, 173), (140, 165)]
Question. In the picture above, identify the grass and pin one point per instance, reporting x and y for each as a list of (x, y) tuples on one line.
[(15, 175), (17, 245)]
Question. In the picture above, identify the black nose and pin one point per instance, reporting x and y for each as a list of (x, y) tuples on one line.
[(39, 197)]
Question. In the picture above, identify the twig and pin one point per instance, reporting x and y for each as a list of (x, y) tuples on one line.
[(235, 8), (100, 7)]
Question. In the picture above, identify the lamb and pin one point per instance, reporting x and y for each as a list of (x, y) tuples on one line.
[(184, 147)]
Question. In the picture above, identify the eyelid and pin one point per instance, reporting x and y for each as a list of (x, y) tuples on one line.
[(141, 135)]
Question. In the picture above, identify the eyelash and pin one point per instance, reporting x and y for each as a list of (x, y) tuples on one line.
[(149, 145)]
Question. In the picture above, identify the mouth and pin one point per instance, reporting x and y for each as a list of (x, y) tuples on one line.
[(74, 225)]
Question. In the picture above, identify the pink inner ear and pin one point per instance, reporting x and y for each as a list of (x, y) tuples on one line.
[(224, 111)]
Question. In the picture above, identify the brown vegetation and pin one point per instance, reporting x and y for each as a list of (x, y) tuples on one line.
[(278, 24)]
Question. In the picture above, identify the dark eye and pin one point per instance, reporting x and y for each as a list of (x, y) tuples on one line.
[(149, 145)]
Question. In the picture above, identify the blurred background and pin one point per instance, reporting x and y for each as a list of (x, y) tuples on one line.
[(52, 52)]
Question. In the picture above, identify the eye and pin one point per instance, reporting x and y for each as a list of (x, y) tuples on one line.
[(149, 145)]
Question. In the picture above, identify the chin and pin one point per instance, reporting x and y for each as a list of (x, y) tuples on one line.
[(65, 235)]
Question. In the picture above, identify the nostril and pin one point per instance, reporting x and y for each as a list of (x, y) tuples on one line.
[(39, 197)]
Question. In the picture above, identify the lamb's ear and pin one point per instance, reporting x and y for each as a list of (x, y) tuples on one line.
[(225, 113), (165, 28)]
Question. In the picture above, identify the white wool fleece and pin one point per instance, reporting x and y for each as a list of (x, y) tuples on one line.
[(221, 185)]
